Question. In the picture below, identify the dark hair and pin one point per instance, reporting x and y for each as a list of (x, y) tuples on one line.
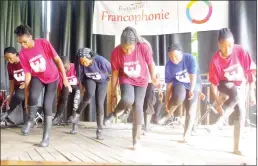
[(10, 50), (174, 47), (224, 33), (130, 36), (23, 30), (65, 59)]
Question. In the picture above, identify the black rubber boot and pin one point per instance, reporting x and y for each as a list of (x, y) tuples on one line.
[(99, 131), (4, 116), (46, 131), (110, 118), (80, 109), (58, 119), (147, 120), (25, 117), (125, 115), (75, 124), (165, 117), (136, 136), (25, 130)]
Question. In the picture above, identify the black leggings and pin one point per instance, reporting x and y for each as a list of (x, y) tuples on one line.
[(93, 88), (234, 100), (149, 100), (17, 99), (180, 96), (132, 97), (35, 89), (64, 98)]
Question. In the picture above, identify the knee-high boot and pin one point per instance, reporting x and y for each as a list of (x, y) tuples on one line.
[(73, 118), (188, 128), (25, 130), (75, 127), (136, 132), (46, 131), (59, 115), (147, 120), (99, 131)]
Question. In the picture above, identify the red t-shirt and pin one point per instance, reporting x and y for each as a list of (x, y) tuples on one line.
[(39, 61), (15, 72), (133, 68), (237, 68), (71, 76)]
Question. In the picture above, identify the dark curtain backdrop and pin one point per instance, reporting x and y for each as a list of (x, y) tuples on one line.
[(12, 14), (71, 28)]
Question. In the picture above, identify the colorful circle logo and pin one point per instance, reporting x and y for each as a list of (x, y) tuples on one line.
[(198, 21)]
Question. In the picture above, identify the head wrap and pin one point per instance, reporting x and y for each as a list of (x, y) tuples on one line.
[(84, 52)]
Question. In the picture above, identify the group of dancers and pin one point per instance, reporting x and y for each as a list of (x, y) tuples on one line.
[(38, 66)]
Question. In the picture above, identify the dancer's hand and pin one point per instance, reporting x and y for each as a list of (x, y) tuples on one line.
[(67, 84), (202, 96), (113, 99), (190, 95), (160, 96), (22, 86), (156, 82), (219, 108), (252, 100)]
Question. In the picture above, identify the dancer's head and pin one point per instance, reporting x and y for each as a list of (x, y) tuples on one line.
[(11, 55), (175, 53), (225, 42), (24, 36), (66, 62), (129, 38), (85, 56)]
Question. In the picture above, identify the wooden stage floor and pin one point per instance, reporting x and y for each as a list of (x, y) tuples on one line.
[(161, 146)]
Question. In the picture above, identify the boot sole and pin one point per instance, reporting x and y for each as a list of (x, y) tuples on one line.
[(24, 134)]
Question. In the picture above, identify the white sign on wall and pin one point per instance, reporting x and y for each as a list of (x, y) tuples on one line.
[(159, 17), (202, 15)]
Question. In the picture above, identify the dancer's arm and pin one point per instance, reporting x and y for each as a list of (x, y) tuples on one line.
[(152, 72), (252, 93), (192, 85), (11, 91), (61, 68), (168, 95), (26, 90), (114, 81), (215, 93)]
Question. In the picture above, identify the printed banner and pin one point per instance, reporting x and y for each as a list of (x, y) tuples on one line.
[(147, 17), (159, 17)]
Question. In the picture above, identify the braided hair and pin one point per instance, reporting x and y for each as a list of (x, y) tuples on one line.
[(224, 33)]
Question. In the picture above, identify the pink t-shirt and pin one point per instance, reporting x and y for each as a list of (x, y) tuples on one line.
[(71, 76), (39, 61), (237, 68), (133, 68), (16, 73)]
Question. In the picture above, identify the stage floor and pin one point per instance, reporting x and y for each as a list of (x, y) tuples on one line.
[(161, 146)]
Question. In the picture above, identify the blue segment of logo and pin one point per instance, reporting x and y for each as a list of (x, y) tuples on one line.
[(188, 14)]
